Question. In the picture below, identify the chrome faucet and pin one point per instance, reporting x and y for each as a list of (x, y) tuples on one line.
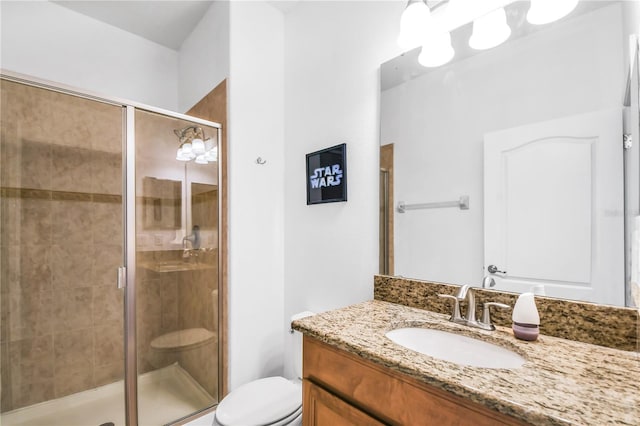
[(194, 239), (467, 293)]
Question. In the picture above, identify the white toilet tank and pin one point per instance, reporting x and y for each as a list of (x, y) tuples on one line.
[(297, 344)]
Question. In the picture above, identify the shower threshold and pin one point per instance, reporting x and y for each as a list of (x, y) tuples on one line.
[(164, 395)]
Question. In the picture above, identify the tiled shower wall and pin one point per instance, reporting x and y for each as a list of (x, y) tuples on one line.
[(171, 301), (61, 242)]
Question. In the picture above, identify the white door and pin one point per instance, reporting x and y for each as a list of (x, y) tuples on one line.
[(553, 206)]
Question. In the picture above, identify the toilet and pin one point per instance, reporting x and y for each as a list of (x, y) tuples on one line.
[(272, 401)]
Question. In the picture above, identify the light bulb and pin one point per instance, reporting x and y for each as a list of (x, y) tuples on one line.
[(186, 147), (212, 155), (182, 156), (197, 146), (436, 50), (490, 30), (201, 160), (546, 11), (208, 145), (414, 22)]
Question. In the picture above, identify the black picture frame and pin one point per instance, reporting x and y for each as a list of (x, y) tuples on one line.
[(327, 175)]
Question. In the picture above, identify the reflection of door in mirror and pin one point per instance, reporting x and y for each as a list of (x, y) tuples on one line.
[(437, 118), (161, 203), (386, 209), (204, 206), (548, 222)]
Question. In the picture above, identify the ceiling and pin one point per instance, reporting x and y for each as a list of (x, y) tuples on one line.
[(167, 23)]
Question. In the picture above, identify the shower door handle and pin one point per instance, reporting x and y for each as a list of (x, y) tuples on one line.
[(122, 277)]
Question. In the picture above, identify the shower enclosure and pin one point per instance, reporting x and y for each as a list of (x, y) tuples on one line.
[(109, 260)]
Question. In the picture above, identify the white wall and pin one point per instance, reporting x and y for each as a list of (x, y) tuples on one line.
[(44, 40), (204, 56), (333, 51), (573, 67), (256, 203)]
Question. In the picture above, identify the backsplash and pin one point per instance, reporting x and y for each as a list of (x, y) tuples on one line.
[(603, 325)]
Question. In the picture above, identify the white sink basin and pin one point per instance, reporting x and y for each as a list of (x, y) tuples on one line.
[(455, 348)]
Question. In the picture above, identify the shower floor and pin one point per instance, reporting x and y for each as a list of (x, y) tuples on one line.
[(164, 395)]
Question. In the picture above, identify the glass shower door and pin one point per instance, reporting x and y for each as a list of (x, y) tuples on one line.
[(176, 249), (61, 334)]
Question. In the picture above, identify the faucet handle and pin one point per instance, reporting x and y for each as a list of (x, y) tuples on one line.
[(486, 313), (456, 306)]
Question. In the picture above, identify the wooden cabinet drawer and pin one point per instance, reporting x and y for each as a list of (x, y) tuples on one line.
[(389, 396), (322, 408)]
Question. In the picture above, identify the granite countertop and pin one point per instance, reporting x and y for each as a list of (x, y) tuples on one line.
[(563, 382)]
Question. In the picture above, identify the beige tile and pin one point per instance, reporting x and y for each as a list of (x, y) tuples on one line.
[(10, 153), (10, 268), (36, 359), (4, 318), (148, 303), (10, 377), (108, 305), (36, 221), (35, 268), (72, 223), (202, 365), (34, 393), (71, 169), (36, 165), (169, 303), (73, 361), (109, 373), (107, 223), (106, 172), (72, 309), (105, 258), (108, 345), (71, 267), (11, 219), (148, 320), (30, 314), (73, 379), (73, 348)]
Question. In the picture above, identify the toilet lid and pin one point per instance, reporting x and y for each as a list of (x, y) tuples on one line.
[(182, 338), (261, 402)]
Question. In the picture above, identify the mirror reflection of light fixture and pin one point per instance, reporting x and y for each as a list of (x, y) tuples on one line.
[(546, 11), (436, 50), (490, 30), (422, 18), (414, 22), (194, 146)]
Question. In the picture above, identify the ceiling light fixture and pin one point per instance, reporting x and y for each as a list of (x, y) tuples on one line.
[(194, 146)]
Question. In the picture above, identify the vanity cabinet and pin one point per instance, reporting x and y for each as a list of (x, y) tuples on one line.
[(341, 388)]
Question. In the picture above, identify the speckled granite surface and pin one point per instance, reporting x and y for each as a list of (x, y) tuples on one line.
[(563, 382), (610, 326)]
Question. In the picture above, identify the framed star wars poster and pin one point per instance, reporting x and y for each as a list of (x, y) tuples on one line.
[(327, 175)]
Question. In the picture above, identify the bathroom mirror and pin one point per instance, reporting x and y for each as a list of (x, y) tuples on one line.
[(562, 225), (161, 203), (204, 202)]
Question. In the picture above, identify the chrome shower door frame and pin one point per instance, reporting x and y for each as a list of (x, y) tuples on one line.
[(129, 221)]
